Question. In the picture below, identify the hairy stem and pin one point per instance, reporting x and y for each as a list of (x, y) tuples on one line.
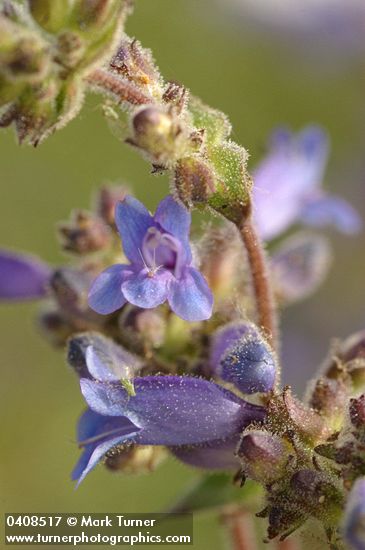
[(119, 87), (239, 524), (266, 311)]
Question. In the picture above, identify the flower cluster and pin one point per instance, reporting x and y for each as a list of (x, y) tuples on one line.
[(172, 337)]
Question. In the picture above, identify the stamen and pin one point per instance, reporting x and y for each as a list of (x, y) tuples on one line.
[(100, 436)]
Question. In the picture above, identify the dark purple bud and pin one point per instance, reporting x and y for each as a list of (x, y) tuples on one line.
[(85, 233), (353, 526), (265, 457), (357, 412), (318, 494), (241, 356), (22, 277), (299, 266)]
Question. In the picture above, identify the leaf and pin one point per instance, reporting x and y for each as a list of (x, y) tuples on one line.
[(216, 490)]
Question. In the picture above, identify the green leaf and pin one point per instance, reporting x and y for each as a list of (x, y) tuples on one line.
[(214, 491)]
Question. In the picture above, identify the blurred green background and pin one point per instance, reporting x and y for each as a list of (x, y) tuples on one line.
[(259, 83)]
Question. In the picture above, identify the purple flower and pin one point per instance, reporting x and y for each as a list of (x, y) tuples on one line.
[(287, 186), (241, 356), (22, 276), (174, 411), (354, 519), (160, 266)]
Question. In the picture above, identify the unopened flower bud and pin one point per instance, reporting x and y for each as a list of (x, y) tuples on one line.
[(318, 494), (357, 412), (135, 459), (157, 132), (194, 181), (135, 63), (54, 326), (219, 253), (241, 356), (329, 399), (348, 359), (51, 15), (70, 288), (24, 55), (93, 15), (353, 526), (307, 421), (145, 329), (106, 199), (85, 233), (264, 457)]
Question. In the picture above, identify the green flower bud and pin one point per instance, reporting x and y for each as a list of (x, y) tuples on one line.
[(159, 134), (51, 15)]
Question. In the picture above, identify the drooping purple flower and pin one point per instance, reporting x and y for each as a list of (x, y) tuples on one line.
[(241, 356), (354, 518), (160, 266), (174, 411), (299, 266), (22, 277), (288, 190)]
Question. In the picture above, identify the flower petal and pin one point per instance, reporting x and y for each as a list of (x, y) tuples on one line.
[(215, 455), (176, 219), (250, 365), (145, 290), (224, 338), (299, 266), (292, 169), (353, 523), (331, 210), (108, 366), (133, 220), (105, 295), (22, 277), (174, 410), (97, 434), (190, 297)]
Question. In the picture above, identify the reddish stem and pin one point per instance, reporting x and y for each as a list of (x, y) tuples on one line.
[(266, 312), (120, 87), (239, 523)]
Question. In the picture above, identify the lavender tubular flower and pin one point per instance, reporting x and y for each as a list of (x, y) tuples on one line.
[(166, 410), (22, 277), (160, 266), (354, 520), (291, 175)]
